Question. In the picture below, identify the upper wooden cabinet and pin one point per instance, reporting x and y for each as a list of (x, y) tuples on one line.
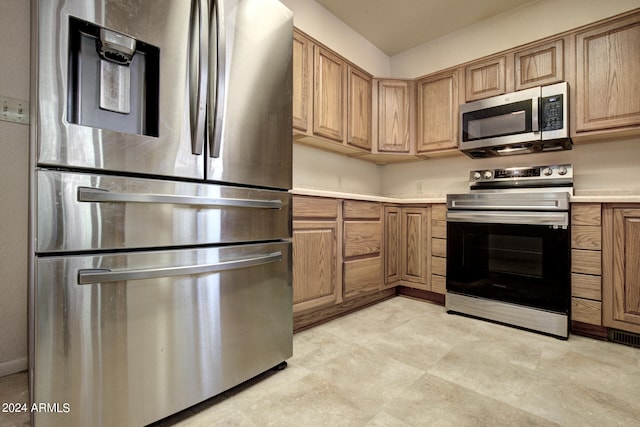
[(395, 99), (437, 116), (607, 76), (302, 81), (517, 69), (621, 278), (539, 65), (359, 109), (329, 94), (485, 78), (332, 99)]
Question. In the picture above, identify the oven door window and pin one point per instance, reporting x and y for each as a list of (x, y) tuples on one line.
[(503, 120), (521, 264)]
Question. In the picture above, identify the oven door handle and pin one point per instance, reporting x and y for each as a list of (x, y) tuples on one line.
[(556, 219)]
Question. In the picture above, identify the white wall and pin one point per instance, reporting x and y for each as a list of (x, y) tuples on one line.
[(325, 27), (611, 167), (528, 23), (14, 190), (323, 170)]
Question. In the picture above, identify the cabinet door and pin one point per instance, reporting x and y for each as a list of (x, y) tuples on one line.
[(394, 104), (359, 109), (540, 65), (607, 70), (392, 233), (438, 113), (302, 81), (315, 274), (329, 91), (486, 78), (415, 235), (621, 297)]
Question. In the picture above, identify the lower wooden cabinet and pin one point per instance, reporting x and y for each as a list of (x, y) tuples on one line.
[(315, 266), (317, 263), (362, 248), (439, 248), (586, 263), (621, 256), (408, 247)]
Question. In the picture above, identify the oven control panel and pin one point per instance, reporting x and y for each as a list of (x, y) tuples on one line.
[(538, 176)]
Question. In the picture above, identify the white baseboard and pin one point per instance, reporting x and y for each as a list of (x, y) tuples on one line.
[(13, 366)]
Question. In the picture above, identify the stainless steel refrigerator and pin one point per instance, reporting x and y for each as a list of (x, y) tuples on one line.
[(160, 239)]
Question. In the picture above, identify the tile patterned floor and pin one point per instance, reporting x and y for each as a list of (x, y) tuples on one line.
[(407, 363)]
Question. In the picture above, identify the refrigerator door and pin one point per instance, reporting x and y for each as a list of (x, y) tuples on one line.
[(79, 212), (111, 85), (250, 123), (126, 339)]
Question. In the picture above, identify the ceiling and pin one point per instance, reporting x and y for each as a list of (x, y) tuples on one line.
[(397, 25)]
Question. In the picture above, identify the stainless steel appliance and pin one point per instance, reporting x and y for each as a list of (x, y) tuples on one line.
[(528, 121), (160, 218), (508, 248)]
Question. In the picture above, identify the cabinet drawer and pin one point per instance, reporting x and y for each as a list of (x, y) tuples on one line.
[(439, 212), (586, 237), (586, 214), (362, 210), (315, 207), (439, 266), (587, 262), (438, 284), (439, 247), (586, 311), (586, 286), (362, 238), (439, 229), (362, 276)]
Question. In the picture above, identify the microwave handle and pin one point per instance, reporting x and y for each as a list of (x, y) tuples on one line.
[(535, 114)]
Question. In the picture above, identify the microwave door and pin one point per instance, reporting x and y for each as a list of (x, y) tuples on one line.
[(112, 87), (503, 120)]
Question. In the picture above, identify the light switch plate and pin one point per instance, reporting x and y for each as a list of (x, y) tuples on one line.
[(14, 110)]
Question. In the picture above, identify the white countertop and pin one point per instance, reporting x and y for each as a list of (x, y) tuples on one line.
[(580, 196), (427, 198), (600, 196)]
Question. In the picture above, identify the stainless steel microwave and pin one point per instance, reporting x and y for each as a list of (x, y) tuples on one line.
[(528, 121)]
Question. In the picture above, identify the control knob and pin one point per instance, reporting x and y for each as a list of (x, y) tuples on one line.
[(487, 174), (547, 171), (477, 176), (562, 170)]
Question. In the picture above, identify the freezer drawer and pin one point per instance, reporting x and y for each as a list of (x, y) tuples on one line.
[(126, 339), (78, 212)]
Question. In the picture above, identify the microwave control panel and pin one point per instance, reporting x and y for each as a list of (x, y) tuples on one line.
[(551, 113)]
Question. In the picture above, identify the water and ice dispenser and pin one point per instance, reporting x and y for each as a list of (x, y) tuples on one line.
[(113, 80)]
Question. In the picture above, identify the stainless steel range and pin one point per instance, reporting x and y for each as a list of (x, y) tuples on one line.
[(508, 248)]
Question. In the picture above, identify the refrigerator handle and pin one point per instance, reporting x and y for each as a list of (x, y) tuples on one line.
[(198, 73), (217, 65), (101, 275), (89, 194)]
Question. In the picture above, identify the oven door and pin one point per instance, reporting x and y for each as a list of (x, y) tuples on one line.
[(501, 120), (515, 257)]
